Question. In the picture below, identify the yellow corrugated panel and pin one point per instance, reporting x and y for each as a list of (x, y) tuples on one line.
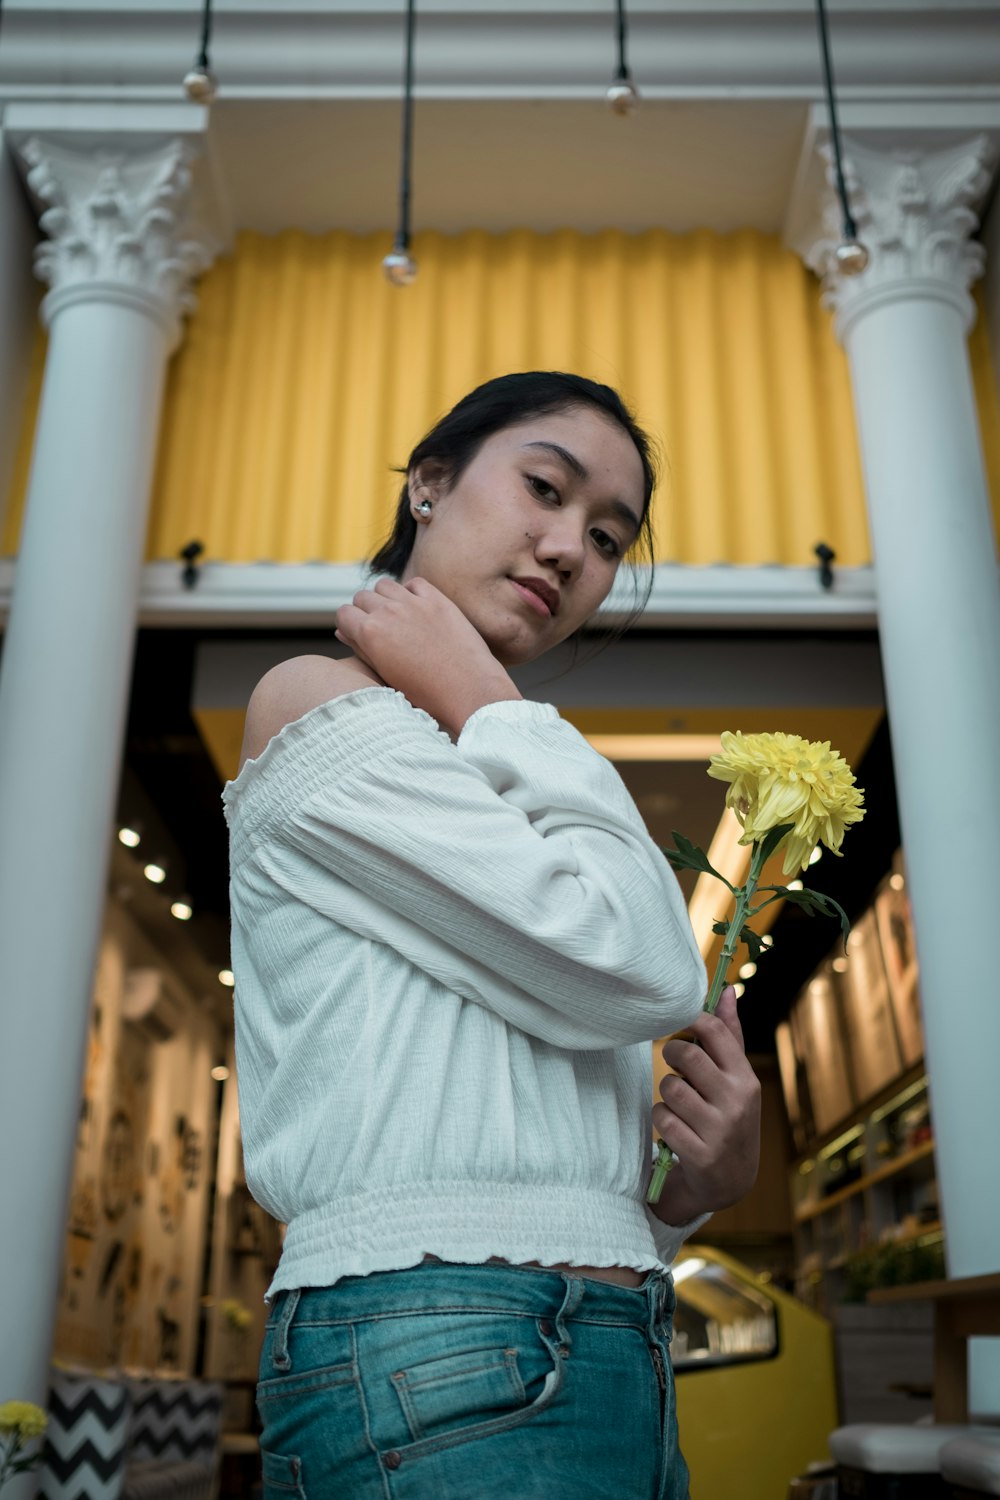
[(304, 378), (11, 515)]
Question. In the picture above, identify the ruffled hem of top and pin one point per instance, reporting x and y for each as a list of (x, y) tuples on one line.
[(469, 1224), (370, 704), (300, 731)]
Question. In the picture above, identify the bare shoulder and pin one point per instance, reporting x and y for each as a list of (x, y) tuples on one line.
[(291, 689)]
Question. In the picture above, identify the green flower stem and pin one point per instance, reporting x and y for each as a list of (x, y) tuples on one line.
[(7, 1463), (744, 894)]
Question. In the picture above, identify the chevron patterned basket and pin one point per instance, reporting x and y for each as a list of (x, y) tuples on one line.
[(86, 1441)]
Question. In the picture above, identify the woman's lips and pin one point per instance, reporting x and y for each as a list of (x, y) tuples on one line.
[(532, 598)]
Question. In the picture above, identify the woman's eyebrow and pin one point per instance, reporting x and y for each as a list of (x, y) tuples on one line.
[(569, 459), (580, 469)]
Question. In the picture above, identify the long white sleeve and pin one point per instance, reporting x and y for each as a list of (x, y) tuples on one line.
[(512, 867)]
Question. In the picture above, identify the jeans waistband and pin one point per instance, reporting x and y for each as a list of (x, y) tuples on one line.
[(437, 1287)]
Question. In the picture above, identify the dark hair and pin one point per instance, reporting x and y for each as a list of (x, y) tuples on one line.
[(458, 436)]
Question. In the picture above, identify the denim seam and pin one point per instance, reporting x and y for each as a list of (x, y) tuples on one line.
[(432, 1310), (366, 1419)]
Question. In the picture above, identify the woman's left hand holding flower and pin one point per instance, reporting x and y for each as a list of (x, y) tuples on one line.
[(710, 1117)]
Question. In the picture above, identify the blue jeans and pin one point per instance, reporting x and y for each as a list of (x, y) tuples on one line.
[(449, 1382)]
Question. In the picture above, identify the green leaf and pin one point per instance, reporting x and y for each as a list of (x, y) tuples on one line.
[(722, 928), (688, 856), (815, 904), (753, 941), (767, 845)]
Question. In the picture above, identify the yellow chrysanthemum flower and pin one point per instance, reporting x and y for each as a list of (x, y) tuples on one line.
[(235, 1314), (23, 1418), (782, 778)]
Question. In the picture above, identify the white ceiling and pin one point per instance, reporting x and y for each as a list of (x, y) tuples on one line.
[(495, 165)]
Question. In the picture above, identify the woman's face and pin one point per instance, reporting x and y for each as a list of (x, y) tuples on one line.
[(528, 540)]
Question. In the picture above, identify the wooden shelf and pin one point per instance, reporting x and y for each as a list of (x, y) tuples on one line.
[(890, 1169)]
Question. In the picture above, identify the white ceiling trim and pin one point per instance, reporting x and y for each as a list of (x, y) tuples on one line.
[(564, 49), (229, 595)]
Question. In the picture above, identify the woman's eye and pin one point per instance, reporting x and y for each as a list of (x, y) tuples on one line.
[(542, 488), (607, 544)]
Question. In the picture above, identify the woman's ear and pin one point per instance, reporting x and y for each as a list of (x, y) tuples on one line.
[(427, 480)]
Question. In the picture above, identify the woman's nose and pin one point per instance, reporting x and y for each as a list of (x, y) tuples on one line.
[(562, 547)]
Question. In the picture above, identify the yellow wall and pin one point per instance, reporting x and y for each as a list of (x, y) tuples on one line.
[(305, 377)]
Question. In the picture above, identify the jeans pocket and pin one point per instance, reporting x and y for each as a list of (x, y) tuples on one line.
[(282, 1475), (455, 1389), (478, 1376)]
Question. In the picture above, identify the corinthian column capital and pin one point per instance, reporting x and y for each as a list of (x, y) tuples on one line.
[(118, 227), (915, 212)]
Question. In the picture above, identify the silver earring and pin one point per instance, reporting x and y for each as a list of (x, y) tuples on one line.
[(424, 508)]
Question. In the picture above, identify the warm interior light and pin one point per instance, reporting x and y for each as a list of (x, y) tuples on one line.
[(816, 855), (129, 837), (767, 940), (690, 1266), (709, 898), (656, 746), (227, 977), (156, 873), (795, 885), (220, 1073), (740, 990), (748, 970), (840, 964), (896, 881), (181, 910)]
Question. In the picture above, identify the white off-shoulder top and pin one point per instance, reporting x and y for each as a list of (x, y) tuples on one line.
[(450, 960)]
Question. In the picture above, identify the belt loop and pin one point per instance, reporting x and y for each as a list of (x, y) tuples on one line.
[(280, 1356), (575, 1289)]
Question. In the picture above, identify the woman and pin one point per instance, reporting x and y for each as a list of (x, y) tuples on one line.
[(453, 941)]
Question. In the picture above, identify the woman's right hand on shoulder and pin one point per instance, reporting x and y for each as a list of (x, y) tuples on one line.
[(420, 643)]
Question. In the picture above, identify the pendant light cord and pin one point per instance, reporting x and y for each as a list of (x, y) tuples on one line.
[(206, 34), (850, 227), (403, 237), (623, 72)]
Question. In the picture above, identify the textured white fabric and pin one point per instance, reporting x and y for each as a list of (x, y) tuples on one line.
[(450, 961)]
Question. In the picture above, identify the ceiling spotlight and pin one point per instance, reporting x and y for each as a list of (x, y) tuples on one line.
[(767, 940), (740, 990), (840, 964), (129, 836), (748, 970), (851, 256), (399, 266), (156, 873), (622, 94), (227, 978), (816, 855), (200, 83), (896, 881), (181, 909), (794, 885), (220, 1072)]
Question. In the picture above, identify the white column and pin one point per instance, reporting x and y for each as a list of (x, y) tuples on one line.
[(903, 323), (119, 273)]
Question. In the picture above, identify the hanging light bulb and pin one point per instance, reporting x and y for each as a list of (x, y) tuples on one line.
[(200, 83), (399, 266), (622, 95), (851, 255)]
